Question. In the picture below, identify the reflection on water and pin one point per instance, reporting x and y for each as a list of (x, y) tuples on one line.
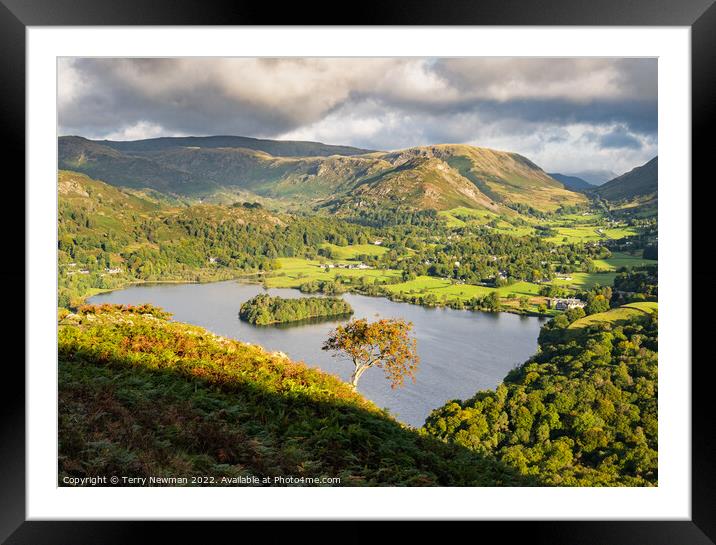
[(460, 351), (305, 321)]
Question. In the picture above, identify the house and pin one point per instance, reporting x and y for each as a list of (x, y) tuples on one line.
[(558, 303), (377, 242)]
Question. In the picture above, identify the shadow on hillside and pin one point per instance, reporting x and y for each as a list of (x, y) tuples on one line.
[(120, 419)]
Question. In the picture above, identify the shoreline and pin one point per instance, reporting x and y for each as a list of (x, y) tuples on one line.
[(246, 279)]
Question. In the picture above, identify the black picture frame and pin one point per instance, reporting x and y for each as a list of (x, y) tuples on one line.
[(16, 15)]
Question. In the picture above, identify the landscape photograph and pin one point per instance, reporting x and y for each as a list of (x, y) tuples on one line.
[(357, 272)]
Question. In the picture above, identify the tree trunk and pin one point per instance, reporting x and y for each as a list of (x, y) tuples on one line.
[(356, 375)]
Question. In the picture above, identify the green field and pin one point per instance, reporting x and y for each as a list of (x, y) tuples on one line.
[(295, 271), (582, 280), (446, 291), (645, 306), (620, 259), (616, 315), (353, 251), (589, 233), (570, 228), (443, 288)]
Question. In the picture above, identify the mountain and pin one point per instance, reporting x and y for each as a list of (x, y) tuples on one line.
[(642, 181), (277, 148), (448, 175), (440, 177), (594, 177), (574, 183)]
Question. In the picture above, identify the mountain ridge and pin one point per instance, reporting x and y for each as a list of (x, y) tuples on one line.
[(439, 176), (641, 181)]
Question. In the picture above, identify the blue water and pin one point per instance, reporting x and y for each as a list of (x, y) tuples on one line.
[(460, 352)]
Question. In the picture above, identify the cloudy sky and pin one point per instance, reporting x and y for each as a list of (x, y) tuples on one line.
[(567, 115)]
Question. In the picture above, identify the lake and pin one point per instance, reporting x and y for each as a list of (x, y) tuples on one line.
[(460, 352)]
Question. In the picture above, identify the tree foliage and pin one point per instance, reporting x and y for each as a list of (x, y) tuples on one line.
[(583, 411), (386, 344)]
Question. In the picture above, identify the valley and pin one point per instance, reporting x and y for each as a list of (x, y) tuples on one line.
[(407, 225), (524, 294)]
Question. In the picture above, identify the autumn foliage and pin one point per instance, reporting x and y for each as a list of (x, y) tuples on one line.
[(386, 344)]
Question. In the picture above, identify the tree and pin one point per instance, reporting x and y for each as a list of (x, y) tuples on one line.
[(386, 344), (598, 303)]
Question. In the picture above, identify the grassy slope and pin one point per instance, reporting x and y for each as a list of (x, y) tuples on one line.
[(620, 259), (616, 316), (508, 177), (352, 251), (638, 182), (143, 396)]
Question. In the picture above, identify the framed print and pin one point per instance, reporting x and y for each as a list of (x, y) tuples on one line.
[(408, 269)]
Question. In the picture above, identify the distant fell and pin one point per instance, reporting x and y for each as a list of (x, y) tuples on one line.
[(277, 148), (595, 176), (339, 177), (639, 182), (574, 183)]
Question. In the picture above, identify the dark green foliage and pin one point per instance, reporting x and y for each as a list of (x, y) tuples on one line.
[(264, 309), (391, 216), (638, 284), (651, 251), (327, 287), (582, 412)]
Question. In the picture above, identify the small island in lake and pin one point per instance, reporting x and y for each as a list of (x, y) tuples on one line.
[(266, 310)]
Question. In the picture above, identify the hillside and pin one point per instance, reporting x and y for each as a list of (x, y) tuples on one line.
[(642, 181), (141, 396), (581, 412), (617, 316), (450, 175), (441, 177), (574, 183)]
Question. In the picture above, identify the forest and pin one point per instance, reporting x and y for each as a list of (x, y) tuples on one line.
[(582, 412)]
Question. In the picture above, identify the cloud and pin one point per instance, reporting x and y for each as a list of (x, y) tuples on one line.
[(547, 109), (619, 138), (138, 131)]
